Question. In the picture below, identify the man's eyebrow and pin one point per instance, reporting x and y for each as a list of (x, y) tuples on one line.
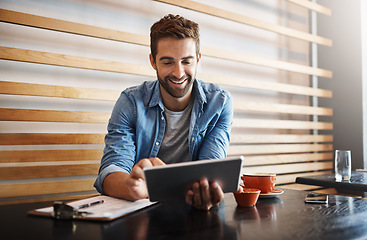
[(171, 58), (165, 58)]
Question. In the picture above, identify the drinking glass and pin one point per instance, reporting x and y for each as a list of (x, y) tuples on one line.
[(343, 168)]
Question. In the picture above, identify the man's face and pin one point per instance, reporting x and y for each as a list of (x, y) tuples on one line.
[(176, 64)]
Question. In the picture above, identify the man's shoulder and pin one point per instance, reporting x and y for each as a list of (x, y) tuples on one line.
[(144, 88), (144, 93), (212, 89)]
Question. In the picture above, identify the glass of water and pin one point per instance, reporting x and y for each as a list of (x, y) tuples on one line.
[(343, 165)]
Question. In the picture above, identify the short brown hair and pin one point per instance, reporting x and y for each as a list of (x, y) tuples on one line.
[(176, 27)]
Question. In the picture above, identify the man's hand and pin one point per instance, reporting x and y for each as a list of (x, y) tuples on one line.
[(202, 196), (130, 186), (136, 182)]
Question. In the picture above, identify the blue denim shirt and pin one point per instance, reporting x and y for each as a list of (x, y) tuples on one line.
[(137, 125)]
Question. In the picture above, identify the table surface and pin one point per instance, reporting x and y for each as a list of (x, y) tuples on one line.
[(284, 217), (357, 182)]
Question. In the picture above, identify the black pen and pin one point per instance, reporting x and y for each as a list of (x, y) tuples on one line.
[(90, 204)]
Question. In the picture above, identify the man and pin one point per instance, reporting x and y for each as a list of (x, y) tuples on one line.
[(175, 119)]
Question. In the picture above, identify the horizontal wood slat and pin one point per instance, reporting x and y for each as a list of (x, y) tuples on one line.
[(10, 114), (40, 188), (17, 88), (265, 62), (17, 156), (16, 54), (291, 168), (34, 115), (50, 138), (264, 85), (277, 148), (30, 89), (71, 27), (286, 158), (90, 138), (281, 124), (312, 6), (28, 172), (232, 16), (277, 138), (281, 108), (82, 93), (87, 30)]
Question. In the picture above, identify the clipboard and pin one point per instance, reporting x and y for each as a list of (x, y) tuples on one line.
[(110, 208)]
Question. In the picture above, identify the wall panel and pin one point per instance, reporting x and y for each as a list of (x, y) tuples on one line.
[(63, 64)]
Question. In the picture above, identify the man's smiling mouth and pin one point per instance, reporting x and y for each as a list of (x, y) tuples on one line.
[(178, 82)]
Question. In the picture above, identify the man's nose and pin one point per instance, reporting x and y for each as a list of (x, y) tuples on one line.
[(178, 71)]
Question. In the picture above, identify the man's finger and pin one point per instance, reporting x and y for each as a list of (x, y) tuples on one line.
[(189, 197), (217, 192), (137, 171), (205, 194), (197, 195), (157, 162)]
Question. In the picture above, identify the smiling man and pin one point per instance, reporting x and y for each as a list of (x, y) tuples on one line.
[(177, 118)]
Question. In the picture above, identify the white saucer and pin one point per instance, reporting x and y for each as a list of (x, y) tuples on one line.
[(274, 193)]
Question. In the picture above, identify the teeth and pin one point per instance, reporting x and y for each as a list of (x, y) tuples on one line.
[(178, 82)]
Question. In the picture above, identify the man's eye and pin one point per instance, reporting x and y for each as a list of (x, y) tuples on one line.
[(167, 63), (186, 62)]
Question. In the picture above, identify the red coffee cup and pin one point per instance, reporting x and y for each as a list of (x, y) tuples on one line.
[(246, 197), (263, 181)]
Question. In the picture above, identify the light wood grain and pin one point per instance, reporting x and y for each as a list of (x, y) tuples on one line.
[(264, 85), (271, 159), (265, 62), (312, 6), (34, 115), (29, 156), (278, 138), (281, 124), (291, 168), (41, 188), (50, 138), (29, 172), (30, 89), (40, 57), (277, 148), (233, 16), (281, 108), (71, 27)]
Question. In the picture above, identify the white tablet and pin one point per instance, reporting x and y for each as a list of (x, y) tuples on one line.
[(172, 181)]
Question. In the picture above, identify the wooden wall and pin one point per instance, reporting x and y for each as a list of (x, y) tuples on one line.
[(63, 65)]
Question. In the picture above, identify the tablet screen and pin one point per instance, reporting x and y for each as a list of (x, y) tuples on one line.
[(172, 181)]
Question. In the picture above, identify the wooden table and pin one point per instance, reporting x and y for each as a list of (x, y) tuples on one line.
[(356, 185), (284, 217)]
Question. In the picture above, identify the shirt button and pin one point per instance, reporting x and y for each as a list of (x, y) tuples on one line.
[(162, 118), (199, 114), (157, 143), (192, 139)]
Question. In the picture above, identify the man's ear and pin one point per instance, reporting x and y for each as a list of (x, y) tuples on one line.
[(199, 57), (152, 62)]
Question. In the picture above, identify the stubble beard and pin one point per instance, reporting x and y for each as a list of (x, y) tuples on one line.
[(176, 93)]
